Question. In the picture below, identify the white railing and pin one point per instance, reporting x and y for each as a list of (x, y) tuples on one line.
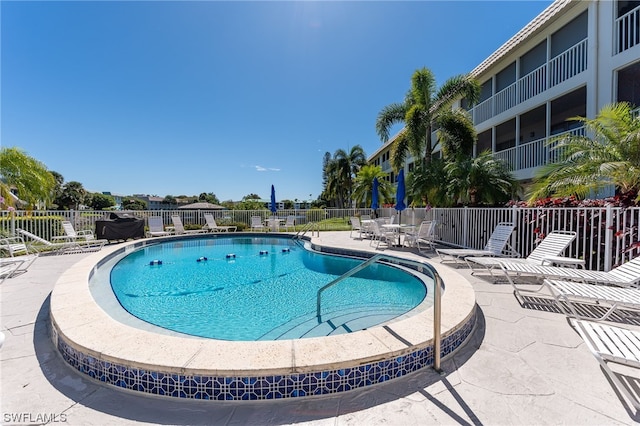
[(535, 153), (607, 236), (569, 63), (627, 30)]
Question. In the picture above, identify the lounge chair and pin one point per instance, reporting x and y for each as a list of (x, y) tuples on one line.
[(625, 275), (424, 235), (496, 246), (569, 294), (212, 226), (8, 267), (256, 224), (70, 234), (179, 227), (156, 227), (18, 251), (546, 253), (74, 246), (612, 344)]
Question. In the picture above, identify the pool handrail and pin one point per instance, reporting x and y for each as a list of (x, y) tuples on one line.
[(437, 294), (311, 226)]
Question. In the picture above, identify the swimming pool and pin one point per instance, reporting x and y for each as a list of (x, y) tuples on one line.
[(259, 288), (97, 338)]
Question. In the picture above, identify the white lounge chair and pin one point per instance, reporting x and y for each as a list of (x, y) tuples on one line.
[(569, 294), (612, 344), (355, 226), (74, 246), (497, 245), (424, 236), (212, 226), (8, 267), (18, 251), (70, 234), (179, 227), (256, 224), (546, 253), (625, 275), (156, 227)]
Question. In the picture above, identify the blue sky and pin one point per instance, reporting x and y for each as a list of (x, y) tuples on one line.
[(226, 97)]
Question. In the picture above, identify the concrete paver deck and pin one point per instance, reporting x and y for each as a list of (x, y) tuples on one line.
[(521, 366)]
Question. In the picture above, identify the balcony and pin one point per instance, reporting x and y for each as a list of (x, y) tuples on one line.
[(568, 64), (535, 153), (627, 30)]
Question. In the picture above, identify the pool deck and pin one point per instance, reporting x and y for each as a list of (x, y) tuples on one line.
[(521, 366)]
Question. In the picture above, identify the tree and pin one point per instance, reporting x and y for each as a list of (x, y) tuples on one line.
[(363, 186), (170, 200), (422, 108), (209, 197), (340, 172), (72, 195), (608, 155), (480, 180), (26, 175), (131, 203), (427, 184), (98, 201)]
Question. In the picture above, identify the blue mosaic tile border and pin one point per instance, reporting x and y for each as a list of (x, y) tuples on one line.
[(257, 387)]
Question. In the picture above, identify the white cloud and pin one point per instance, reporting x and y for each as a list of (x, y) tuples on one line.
[(266, 169)]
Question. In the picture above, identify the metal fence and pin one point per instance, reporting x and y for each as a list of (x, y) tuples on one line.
[(606, 236)]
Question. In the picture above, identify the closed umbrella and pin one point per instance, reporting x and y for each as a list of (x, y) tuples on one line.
[(272, 206), (400, 194), (374, 195)]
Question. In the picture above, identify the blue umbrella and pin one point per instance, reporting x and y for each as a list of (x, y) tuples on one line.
[(374, 194), (400, 193), (272, 206)]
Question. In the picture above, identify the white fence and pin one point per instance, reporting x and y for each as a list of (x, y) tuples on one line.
[(607, 236)]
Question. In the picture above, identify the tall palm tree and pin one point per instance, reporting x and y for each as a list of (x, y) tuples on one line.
[(608, 155), (424, 104), (363, 186), (480, 180), (340, 172), (28, 176)]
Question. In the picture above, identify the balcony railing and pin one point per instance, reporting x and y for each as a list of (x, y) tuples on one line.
[(568, 64), (627, 30), (535, 153)]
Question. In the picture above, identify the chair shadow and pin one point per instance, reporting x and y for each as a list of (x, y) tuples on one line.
[(124, 404)]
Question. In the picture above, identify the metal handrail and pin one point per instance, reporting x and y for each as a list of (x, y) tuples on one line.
[(437, 305), (309, 226)]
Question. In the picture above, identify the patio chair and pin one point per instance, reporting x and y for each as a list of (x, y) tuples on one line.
[(156, 227), (424, 235), (76, 246), (546, 253), (256, 224), (18, 251), (355, 226), (70, 234), (179, 227), (290, 223), (612, 344), (212, 226), (378, 233), (625, 275), (569, 295), (8, 267), (496, 246)]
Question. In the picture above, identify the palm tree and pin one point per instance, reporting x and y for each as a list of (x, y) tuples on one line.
[(28, 176), (423, 106), (480, 180), (611, 156), (428, 183), (363, 186), (340, 172)]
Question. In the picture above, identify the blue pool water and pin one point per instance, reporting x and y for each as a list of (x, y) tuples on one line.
[(257, 288)]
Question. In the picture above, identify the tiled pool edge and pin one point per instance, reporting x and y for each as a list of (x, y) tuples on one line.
[(210, 387), (194, 384)]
